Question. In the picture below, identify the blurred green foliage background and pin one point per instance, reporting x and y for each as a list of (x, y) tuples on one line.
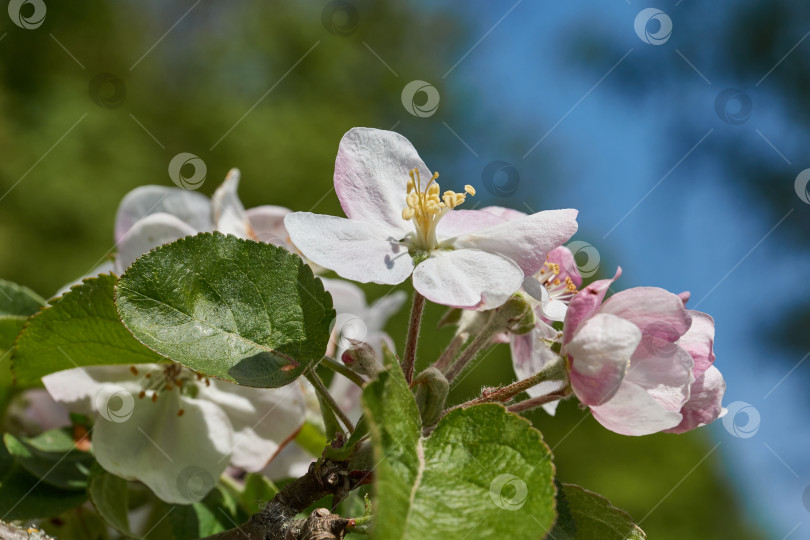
[(270, 88)]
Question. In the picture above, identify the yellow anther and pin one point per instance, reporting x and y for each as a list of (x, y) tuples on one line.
[(426, 206)]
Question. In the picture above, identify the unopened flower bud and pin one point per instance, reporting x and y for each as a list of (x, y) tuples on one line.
[(431, 393), (361, 358)]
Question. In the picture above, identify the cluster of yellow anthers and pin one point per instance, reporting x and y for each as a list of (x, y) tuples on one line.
[(426, 207), (173, 375), (549, 276)]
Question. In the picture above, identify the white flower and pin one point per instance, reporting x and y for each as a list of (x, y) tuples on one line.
[(399, 223), (176, 432)]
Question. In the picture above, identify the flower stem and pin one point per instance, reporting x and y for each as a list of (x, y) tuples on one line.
[(337, 367), (409, 357), (533, 403), (327, 398), (469, 353), (450, 352)]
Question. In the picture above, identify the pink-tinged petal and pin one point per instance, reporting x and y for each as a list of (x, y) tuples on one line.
[(355, 250), (268, 224), (655, 311), (189, 206), (179, 457), (467, 279), (553, 310), (529, 356), (263, 419), (459, 222), (663, 369), (35, 411), (525, 240), (706, 402), (685, 296), (230, 216), (632, 411), (508, 214), (698, 341), (371, 176), (600, 354), (585, 303), (562, 256), (150, 232)]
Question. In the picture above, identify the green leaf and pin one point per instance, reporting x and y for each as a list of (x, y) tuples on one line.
[(257, 491), (483, 472), (110, 496), (586, 515), (233, 309), (52, 457), (18, 300), (24, 496), (80, 328), (216, 513)]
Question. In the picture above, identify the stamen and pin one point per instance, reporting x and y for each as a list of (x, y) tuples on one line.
[(133, 370), (180, 412)]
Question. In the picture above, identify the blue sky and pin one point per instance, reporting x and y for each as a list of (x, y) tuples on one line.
[(669, 220)]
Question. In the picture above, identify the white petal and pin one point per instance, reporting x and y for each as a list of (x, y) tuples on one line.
[(346, 297), (179, 458), (462, 221), (104, 268), (229, 213), (384, 308), (663, 369), (526, 240), (79, 389), (147, 234), (292, 462), (189, 206), (371, 176), (355, 250), (347, 395), (529, 356), (632, 411), (268, 224), (467, 278), (263, 419), (601, 351)]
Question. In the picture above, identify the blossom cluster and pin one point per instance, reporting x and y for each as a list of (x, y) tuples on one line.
[(640, 360)]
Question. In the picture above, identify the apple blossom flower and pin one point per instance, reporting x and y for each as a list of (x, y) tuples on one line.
[(632, 359), (150, 216), (162, 424), (552, 288), (399, 225)]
